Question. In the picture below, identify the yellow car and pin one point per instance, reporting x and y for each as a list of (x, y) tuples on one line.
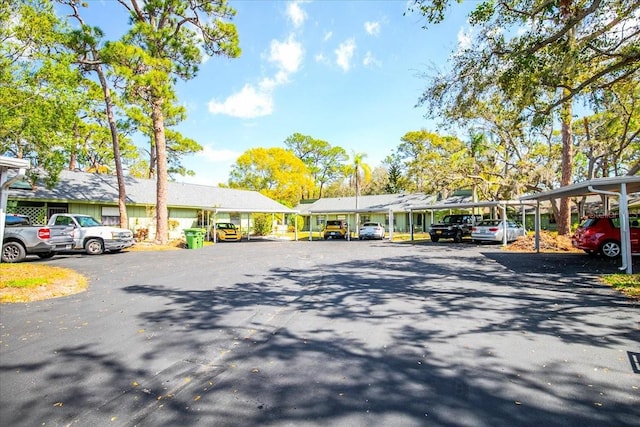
[(335, 229), (225, 232)]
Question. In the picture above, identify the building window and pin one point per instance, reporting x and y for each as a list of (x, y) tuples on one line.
[(110, 216)]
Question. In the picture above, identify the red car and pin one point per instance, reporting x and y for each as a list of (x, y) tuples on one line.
[(601, 234)]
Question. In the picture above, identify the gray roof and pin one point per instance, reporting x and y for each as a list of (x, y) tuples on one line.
[(85, 187), (375, 203), (632, 183)]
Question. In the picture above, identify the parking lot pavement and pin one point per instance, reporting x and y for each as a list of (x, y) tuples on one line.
[(326, 333)]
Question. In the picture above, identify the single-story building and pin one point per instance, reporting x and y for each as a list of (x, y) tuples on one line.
[(190, 205), (392, 210)]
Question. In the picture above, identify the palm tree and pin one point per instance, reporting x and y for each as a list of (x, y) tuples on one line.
[(360, 173)]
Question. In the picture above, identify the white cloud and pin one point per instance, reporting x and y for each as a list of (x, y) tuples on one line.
[(287, 54), (372, 28), (321, 58), (253, 102), (464, 40), (344, 54), (327, 36), (296, 14), (370, 60), (247, 103), (218, 156)]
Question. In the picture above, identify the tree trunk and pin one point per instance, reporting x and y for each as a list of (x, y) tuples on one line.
[(122, 189), (564, 217), (162, 176), (153, 157)]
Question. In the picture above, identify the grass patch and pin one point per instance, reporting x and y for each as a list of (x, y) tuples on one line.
[(628, 284), (26, 282)]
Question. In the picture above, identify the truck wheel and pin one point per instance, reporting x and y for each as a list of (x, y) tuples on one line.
[(435, 239), (13, 252), (458, 237), (94, 247)]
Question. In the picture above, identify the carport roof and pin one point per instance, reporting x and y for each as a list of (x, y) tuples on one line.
[(85, 187), (586, 188), (467, 205), (373, 203)]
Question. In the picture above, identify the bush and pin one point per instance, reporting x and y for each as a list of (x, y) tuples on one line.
[(262, 224)]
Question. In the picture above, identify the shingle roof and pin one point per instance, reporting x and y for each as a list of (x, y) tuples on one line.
[(95, 188)]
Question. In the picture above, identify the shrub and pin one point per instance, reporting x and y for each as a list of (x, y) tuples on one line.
[(262, 224)]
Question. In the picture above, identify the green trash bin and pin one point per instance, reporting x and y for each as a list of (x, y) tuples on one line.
[(192, 237), (200, 233)]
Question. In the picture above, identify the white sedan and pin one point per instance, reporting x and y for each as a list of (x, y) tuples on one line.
[(491, 230), (371, 230)]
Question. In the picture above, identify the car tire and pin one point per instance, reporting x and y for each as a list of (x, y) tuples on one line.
[(434, 239), (94, 247), (13, 252), (610, 249), (458, 237)]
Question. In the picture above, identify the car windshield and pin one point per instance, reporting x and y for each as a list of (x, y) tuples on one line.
[(370, 224), (87, 221), (334, 223), (226, 226)]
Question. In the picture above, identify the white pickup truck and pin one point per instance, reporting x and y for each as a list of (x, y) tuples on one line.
[(93, 237)]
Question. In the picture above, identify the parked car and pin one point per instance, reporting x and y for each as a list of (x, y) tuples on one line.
[(335, 228), (601, 235), (91, 236), (20, 239), (371, 230), (454, 227), (492, 230), (225, 232)]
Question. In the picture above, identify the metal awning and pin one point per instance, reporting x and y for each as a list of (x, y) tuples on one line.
[(619, 186), (592, 186)]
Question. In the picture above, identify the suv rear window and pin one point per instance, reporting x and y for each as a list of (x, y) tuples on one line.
[(335, 223)]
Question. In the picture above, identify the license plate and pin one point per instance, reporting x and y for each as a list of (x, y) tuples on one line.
[(438, 231)]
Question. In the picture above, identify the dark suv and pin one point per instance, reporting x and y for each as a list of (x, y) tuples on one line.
[(601, 235), (454, 227)]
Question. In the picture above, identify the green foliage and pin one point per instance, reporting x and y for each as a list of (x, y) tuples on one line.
[(395, 180), (628, 284), (262, 224), (274, 172), (39, 96), (324, 162)]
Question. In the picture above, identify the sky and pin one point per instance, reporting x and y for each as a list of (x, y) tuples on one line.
[(346, 72)]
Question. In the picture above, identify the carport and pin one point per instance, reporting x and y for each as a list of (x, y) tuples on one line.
[(211, 220), (502, 205), (620, 187), (348, 213)]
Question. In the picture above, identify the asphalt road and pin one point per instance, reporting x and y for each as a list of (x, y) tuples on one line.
[(335, 333)]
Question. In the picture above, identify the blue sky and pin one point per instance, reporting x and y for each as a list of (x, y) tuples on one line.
[(347, 72)]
